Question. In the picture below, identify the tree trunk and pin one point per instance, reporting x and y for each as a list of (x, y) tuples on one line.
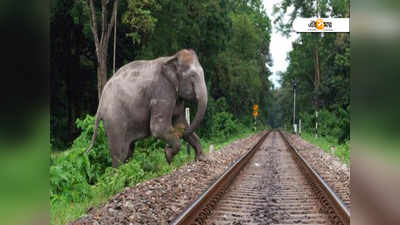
[(317, 70), (101, 73)]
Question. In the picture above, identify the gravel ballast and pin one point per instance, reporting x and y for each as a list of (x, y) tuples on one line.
[(159, 201), (335, 172)]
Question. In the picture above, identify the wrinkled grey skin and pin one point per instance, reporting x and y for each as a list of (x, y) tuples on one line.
[(146, 98)]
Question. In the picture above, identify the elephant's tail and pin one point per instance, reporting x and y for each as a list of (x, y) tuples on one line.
[(98, 117), (96, 125)]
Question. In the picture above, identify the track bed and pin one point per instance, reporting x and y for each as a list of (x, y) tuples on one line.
[(270, 190), (270, 184)]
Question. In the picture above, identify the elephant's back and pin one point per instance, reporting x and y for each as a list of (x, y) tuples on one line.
[(135, 65), (131, 87), (144, 69)]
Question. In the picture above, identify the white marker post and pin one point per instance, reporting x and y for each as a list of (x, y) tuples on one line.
[(316, 124), (187, 113), (294, 106), (299, 127)]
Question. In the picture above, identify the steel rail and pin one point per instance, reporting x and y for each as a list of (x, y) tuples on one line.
[(199, 210), (335, 203)]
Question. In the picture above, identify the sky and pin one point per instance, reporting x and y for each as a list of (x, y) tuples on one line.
[(280, 46)]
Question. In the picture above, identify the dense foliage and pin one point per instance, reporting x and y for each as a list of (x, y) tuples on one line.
[(330, 93), (231, 38), (232, 41)]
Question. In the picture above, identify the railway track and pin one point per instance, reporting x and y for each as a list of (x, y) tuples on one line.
[(270, 184)]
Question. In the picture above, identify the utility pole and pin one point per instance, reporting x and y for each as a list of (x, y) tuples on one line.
[(294, 106), (317, 75)]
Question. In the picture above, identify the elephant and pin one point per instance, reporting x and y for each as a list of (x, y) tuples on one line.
[(146, 98)]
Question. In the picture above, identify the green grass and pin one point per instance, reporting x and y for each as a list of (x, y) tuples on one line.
[(342, 151), (145, 165)]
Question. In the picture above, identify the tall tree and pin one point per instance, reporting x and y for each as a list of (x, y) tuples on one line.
[(320, 63), (102, 39)]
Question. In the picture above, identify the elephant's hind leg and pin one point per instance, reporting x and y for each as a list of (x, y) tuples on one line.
[(119, 148), (131, 150)]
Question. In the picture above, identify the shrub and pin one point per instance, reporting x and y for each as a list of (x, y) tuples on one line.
[(327, 123), (307, 122), (114, 179), (218, 121), (70, 171), (332, 125), (224, 125), (73, 171), (149, 153), (344, 124), (99, 155)]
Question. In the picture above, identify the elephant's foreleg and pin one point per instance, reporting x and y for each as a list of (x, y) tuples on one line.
[(194, 141), (160, 128), (180, 123), (174, 145)]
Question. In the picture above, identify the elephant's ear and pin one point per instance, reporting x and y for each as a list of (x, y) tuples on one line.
[(170, 71)]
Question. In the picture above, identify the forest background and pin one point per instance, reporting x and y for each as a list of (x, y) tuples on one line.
[(232, 39)]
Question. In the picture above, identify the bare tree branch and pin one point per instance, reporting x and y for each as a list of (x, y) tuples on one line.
[(102, 44), (93, 26), (113, 18), (103, 20)]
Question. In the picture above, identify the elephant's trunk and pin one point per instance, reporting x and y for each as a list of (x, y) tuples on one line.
[(201, 96)]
